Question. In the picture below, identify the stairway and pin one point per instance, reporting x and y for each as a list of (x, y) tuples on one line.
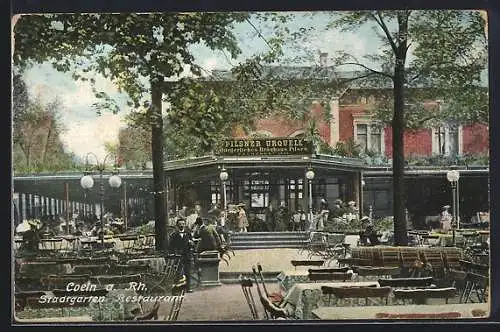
[(265, 240)]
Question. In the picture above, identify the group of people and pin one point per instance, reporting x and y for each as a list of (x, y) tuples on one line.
[(187, 241)]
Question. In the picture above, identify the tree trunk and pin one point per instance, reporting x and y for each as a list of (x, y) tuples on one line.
[(44, 152), (161, 239), (398, 160)]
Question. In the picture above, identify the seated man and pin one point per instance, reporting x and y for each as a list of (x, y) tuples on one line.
[(208, 236), (369, 236)]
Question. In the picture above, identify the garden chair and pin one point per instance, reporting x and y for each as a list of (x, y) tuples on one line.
[(276, 298), (246, 286), (271, 311), (476, 284)]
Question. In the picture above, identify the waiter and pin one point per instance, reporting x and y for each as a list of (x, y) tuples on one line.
[(180, 243)]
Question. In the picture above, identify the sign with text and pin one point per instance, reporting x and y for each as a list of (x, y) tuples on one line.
[(264, 147)]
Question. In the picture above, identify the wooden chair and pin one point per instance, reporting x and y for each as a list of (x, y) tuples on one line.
[(458, 279), (334, 276), (92, 270), (296, 263), (452, 257), (391, 257), (162, 281), (408, 258), (420, 296), (435, 259), (406, 282), (246, 286), (271, 311), (276, 298), (342, 293)]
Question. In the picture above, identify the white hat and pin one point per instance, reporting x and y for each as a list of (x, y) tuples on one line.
[(23, 227)]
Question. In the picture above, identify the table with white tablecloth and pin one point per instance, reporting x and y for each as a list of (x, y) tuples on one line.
[(442, 311), (302, 298)]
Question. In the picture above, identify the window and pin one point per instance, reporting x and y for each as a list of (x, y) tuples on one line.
[(446, 140), (256, 191), (370, 137)]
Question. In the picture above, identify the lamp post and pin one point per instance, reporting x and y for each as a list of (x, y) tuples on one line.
[(453, 176), (362, 199), (87, 182), (310, 177), (223, 175)]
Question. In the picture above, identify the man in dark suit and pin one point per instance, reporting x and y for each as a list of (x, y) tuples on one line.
[(180, 243)]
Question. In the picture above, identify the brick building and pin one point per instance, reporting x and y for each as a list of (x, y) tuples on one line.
[(353, 121)]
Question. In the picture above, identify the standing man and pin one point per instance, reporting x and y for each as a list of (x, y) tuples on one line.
[(180, 243)]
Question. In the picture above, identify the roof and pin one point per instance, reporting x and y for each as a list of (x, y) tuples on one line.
[(326, 73)]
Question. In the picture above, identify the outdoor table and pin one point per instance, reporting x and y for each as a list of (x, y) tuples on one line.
[(287, 279), (37, 269), (334, 313), (157, 264), (302, 298)]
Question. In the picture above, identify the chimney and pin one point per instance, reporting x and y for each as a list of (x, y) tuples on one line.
[(323, 58)]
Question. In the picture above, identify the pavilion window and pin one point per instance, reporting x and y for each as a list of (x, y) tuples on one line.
[(369, 137), (375, 139), (362, 136), (446, 140), (257, 192)]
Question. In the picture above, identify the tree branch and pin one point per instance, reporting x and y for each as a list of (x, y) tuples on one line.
[(381, 23), (367, 68)]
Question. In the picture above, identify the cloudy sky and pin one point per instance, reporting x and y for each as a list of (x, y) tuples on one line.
[(87, 132)]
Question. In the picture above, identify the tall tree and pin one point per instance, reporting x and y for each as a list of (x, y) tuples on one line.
[(137, 52), (448, 50), (37, 127)]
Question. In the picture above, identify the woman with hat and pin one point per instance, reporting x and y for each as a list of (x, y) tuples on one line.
[(242, 218), (446, 219)]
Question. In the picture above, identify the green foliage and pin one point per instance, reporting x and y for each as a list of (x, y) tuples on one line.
[(441, 160), (37, 146), (384, 224), (348, 148)]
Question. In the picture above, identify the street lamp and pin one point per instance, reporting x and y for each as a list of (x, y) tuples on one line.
[(87, 182), (310, 177), (223, 175), (453, 176)]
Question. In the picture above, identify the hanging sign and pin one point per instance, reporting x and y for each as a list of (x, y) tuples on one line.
[(264, 147)]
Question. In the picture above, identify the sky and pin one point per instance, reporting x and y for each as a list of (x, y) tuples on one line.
[(85, 131)]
